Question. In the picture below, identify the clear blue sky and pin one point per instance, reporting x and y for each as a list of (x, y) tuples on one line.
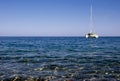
[(58, 17)]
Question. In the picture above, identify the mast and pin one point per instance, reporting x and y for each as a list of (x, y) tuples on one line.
[(91, 18)]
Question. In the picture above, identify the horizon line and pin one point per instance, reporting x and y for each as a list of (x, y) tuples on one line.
[(51, 36)]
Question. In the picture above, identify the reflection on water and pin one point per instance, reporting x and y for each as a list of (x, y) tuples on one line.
[(60, 58)]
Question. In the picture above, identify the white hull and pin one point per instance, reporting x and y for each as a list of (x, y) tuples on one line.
[(91, 36)]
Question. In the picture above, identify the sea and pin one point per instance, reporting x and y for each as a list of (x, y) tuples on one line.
[(59, 59)]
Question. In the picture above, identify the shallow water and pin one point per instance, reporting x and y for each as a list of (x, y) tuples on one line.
[(63, 58)]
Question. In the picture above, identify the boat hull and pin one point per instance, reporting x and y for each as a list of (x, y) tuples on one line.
[(91, 36)]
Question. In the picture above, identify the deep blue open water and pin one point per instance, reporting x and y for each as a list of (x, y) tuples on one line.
[(60, 58)]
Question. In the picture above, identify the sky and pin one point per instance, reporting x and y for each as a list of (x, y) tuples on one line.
[(58, 17)]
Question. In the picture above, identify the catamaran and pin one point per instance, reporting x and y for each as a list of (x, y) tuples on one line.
[(91, 34)]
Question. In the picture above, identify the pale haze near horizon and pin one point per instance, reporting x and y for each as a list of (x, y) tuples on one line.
[(58, 17)]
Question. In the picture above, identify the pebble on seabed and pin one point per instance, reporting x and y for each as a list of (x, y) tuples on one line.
[(106, 73), (15, 78), (50, 77)]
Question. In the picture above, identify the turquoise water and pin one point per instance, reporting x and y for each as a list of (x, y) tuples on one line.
[(61, 58)]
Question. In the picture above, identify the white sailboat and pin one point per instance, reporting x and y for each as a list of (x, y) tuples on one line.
[(91, 34)]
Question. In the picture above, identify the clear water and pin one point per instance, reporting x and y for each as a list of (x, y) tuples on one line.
[(75, 58)]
